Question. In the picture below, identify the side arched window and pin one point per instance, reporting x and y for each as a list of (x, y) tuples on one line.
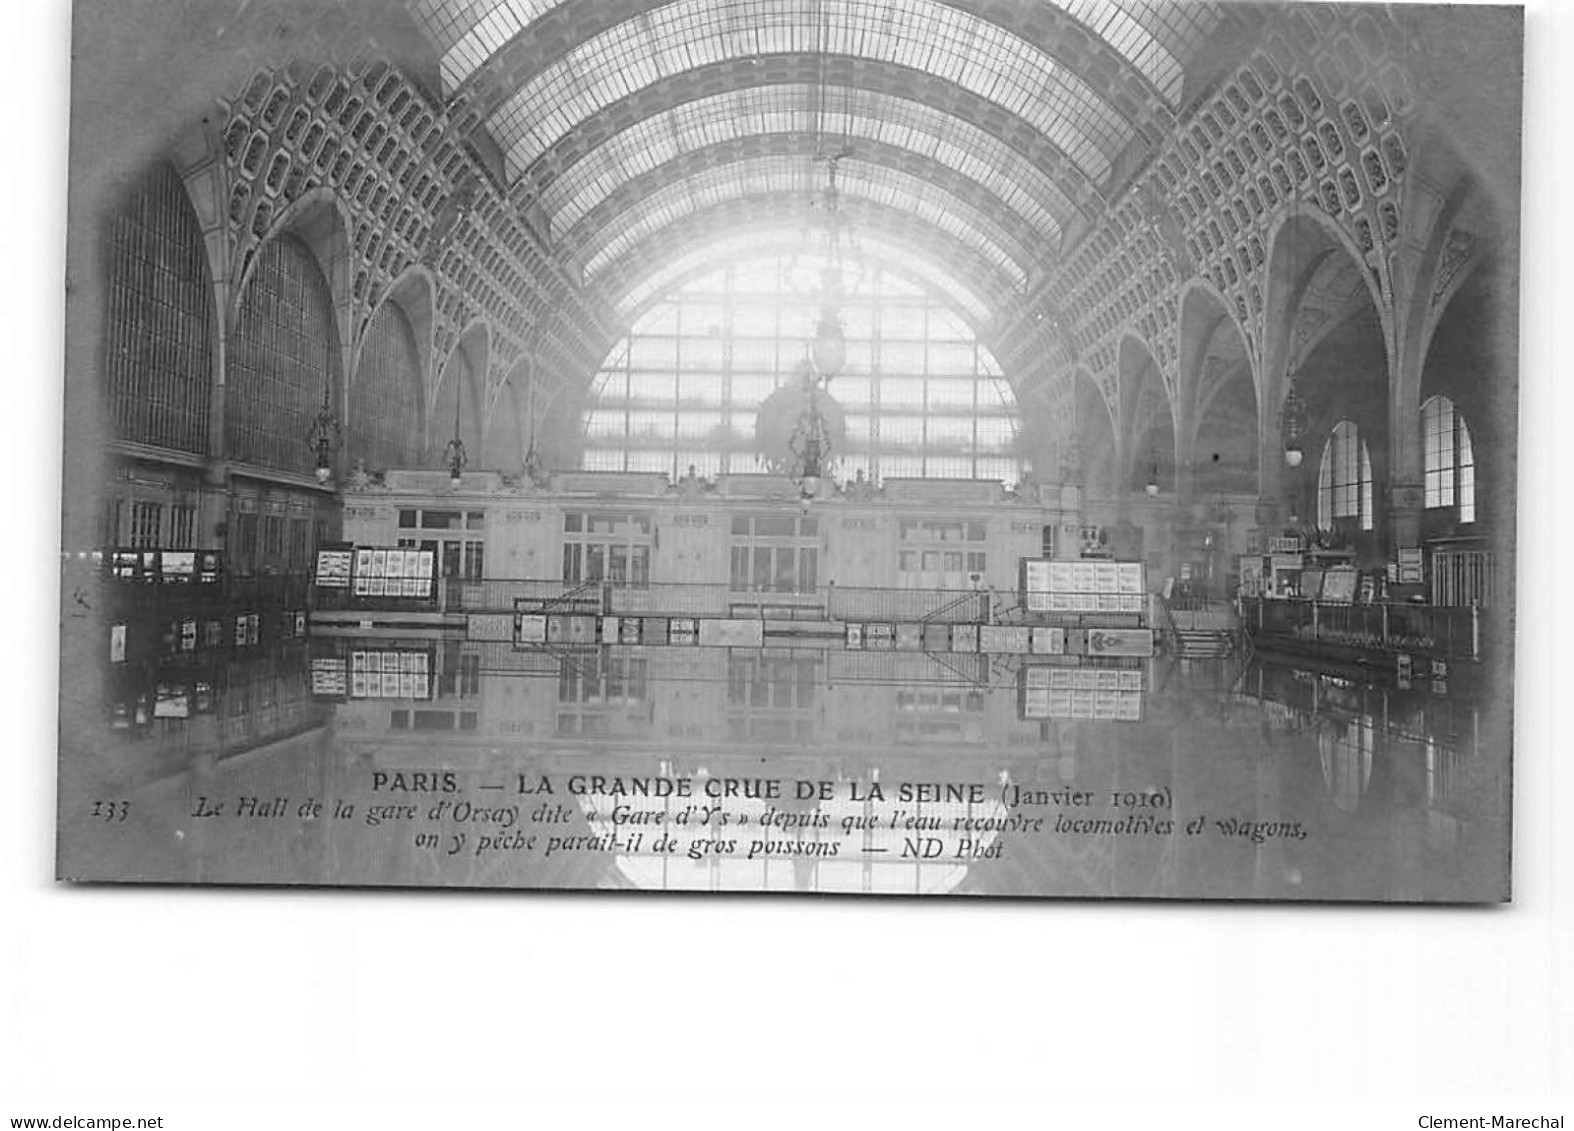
[(1450, 461), (1344, 479)]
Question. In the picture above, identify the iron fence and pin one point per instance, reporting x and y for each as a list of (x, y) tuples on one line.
[(1433, 629)]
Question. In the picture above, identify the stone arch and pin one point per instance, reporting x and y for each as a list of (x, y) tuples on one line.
[(1344, 376), (415, 291), (458, 397), (560, 410), (1319, 296), (386, 422), (1146, 420), (1093, 430), (1216, 393), (272, 389), (1307, 248), (321, 220), (504, 444)]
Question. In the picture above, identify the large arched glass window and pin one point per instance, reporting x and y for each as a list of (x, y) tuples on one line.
[(1450, 461), (282, 355), (919, 395), (158, 362), (385, 399), (1344, 479)]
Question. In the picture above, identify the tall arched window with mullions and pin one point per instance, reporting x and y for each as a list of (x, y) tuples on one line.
[(1450, 465), (1344, 479)]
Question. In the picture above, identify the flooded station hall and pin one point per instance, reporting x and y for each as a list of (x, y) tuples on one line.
[(969, 448)]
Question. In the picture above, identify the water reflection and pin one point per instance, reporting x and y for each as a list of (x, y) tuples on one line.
[(429, 760)]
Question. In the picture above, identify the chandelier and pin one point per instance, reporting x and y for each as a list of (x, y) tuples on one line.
[(811, 437), (454, 455), (1292, 425), (811, 440), (324, 437)]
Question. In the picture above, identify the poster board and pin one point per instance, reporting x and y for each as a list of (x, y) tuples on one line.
[(390, 673), (401, 572), (1083, 586), (1339, 586), (334, 567), (1410, 571)]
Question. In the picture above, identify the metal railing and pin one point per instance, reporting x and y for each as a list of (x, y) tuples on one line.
[(907, 606), (252, 593), (855, 604), (1465, 577), (1164, 622), (1433, 629)]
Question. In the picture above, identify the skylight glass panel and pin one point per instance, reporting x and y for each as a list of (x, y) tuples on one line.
[(1158, 37), (755, 111), (766, 275), (467, 33), (793, 175), (922, 34)]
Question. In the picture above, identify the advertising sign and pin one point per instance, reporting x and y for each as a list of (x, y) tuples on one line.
[(399, 572), (390, 674), (1083, 587), (334, 568)]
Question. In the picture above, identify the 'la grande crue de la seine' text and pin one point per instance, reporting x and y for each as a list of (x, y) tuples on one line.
[(456, 811), (771, 789)]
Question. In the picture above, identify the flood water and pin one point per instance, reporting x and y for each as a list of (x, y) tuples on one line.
[(433, 761)]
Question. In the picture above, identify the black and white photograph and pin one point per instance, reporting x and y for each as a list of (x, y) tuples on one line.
[(727, 498), (831, 446)]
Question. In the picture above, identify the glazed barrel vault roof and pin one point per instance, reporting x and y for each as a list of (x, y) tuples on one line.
[(1056, 172), (999, 125)]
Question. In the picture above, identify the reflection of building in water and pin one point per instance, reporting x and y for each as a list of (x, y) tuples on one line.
[(833, 845), (193, 690), (703, 697), (1389, 786), (1402, 774)]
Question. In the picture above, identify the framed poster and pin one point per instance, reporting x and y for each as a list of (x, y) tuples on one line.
[(1339, 586), (333, 568)]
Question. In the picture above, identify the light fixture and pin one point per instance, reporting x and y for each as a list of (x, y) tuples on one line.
[(1292, 425), (324, 437), (1152, 486), (828, 351), (454, 455), (534, 467), (810, 441)]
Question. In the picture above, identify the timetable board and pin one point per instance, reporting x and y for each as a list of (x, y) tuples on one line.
[(390, 674), (334, 567), (330, 677), (1083, 586), (1082, 693), (393, 572)]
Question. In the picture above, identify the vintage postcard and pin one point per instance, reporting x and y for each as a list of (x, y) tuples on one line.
[(836, 446)]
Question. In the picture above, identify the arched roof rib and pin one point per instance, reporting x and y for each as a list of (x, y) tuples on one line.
[(1138, 54), (855, 117), (840, 76), (802, 213), (976, 214), (789, 176), (890, 255), (923, 34)]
